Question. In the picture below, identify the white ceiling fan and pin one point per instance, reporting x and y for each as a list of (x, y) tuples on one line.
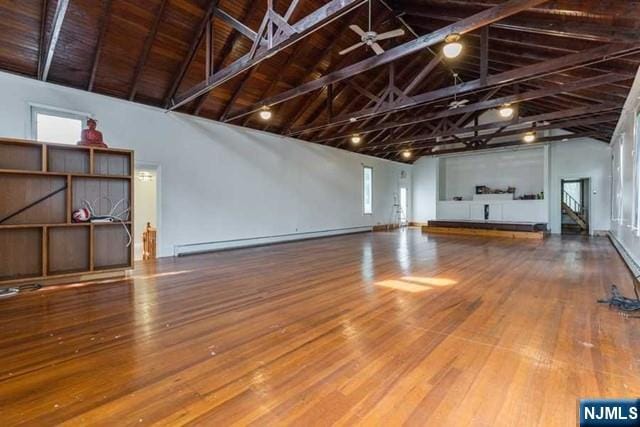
[(456, 103), (371, 38)]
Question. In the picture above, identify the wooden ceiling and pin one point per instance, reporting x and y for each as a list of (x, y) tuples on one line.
[(566, 64)]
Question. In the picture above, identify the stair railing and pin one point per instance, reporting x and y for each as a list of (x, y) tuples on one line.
[(573, 204)]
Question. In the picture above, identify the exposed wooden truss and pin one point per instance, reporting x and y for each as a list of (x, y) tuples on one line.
[(564, 62), (279, 35)]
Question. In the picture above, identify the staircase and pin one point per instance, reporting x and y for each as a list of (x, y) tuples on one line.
[(576, 212)]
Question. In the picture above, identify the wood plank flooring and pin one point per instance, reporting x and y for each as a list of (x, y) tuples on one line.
[(385, 328)]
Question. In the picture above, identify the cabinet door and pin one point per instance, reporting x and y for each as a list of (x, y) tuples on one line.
[(495, 212), (477, 212)]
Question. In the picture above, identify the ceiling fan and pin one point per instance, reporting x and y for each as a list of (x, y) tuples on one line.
[(456, 103), (371, 38)]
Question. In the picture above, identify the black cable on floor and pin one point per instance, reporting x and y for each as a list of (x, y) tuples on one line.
[(621, 302)]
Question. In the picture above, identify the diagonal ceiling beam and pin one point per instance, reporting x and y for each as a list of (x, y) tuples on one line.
[(463, 26), (600, 53), (106, 16), (539, 141), (146, 50), (457, 130), (191, 53), (56, 27), (493, 103), (301, 29), (236, 24), (566, 124)]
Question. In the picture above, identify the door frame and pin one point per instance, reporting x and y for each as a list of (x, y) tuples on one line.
[(559, 205), (157, 168)]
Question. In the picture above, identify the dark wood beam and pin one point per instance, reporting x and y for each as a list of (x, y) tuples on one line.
[(191, 53), (493, 103), (566, 124), (459, 130), (600, 53), (539, 141), (236, 24), (463, 26), (104, 25), (484, 55), (557, 28), (42, 48), (301, 29), (146, 49), (56, 27)]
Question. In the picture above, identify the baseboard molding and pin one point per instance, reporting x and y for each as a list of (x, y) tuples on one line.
[(222, 245), (631, 264)]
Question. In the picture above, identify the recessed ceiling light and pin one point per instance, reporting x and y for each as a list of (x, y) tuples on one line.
[(529, 137), (356, 139), (453, 47), (506, 111), (265, 113), (406, 154), (352, 119)]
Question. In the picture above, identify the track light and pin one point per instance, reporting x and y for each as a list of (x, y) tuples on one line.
[(356, 139), (529, 137), (506, 111), (265, 113), (406, 154), (453, 47)]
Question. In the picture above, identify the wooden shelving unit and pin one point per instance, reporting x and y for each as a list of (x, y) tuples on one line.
[(42, 242)]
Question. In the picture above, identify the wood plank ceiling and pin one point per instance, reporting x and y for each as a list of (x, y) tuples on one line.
[(565, 64)]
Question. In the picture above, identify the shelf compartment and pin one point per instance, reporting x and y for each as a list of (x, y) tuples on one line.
[(101, 192), (21, 253), (110, 249), (20, 190), (21, 156), (68, 250), (112, 164), (68, 159)]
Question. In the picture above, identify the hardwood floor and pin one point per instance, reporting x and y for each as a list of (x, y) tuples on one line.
[(379, 328)]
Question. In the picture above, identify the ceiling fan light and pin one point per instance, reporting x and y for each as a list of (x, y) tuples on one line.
[(265, 113), (529, 137), (452, 47), (506, 111), (356, 139)]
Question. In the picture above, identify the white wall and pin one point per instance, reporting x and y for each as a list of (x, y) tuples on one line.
[(575, 159), (222, 183), (425, 189), (626, 170), (522, 169)]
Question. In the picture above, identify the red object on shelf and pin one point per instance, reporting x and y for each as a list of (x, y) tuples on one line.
[(91, 137)]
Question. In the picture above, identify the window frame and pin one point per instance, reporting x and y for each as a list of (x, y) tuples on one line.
[(364, 190), (35, 109)]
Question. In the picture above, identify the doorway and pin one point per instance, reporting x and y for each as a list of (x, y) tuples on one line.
[(403, 206), (574, 206), (146, 191)]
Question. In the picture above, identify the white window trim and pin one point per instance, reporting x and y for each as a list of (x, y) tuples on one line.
[(364, 167), (33, 109)]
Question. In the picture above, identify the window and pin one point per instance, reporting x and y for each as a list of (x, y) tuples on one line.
[(50, 125), (367, 206)]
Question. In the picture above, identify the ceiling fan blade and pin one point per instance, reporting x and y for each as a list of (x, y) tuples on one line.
[(390, 34), (349, 49), (377, 49), (356, 29)]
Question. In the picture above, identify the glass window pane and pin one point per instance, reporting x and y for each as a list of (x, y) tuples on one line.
[(368, 190), (62, 130)]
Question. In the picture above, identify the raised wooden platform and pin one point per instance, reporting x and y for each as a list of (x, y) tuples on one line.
[(514, 230)]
